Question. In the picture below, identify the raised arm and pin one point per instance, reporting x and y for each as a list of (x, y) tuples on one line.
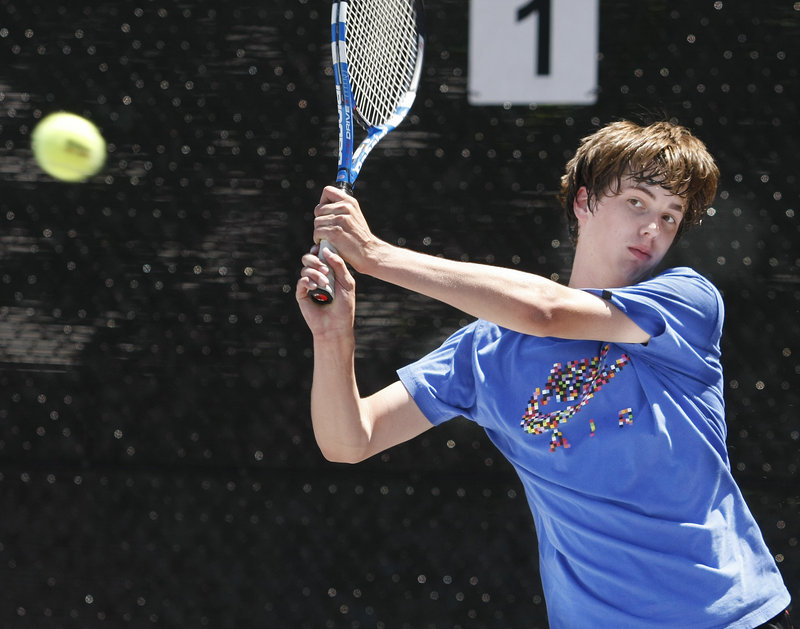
[(519, 301), (347, 427)]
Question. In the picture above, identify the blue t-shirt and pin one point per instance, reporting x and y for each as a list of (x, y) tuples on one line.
[(621, 450)]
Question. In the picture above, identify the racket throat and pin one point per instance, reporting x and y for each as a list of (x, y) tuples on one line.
[(346, 186)]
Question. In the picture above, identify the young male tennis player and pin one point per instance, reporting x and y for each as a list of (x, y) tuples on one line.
[(605, 395)]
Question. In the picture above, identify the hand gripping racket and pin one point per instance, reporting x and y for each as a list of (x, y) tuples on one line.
[(377, 48)]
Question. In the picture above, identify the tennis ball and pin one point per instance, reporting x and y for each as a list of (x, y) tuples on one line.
[(68, 147)]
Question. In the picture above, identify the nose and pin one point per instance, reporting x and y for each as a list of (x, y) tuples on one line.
[(650, 228)]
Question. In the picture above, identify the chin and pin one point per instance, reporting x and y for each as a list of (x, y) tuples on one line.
[(643, 275), (635, 276)]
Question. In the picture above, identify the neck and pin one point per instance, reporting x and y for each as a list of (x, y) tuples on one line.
[(586, 273)]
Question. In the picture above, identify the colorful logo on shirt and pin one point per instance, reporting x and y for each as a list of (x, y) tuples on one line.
[(575, 384)]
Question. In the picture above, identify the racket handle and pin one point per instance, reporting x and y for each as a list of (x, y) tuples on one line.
[(324, 296)]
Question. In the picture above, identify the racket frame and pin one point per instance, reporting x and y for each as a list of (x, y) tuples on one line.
[(350, 161)]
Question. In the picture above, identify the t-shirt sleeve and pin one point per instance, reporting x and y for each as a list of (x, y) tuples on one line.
[(443, 383), (680, 309)]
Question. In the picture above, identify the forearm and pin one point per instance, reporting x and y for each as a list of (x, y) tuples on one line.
[(347, 427), (513, 299), (337, 416)]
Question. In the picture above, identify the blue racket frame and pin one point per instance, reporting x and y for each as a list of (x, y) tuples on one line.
[(350, 161)]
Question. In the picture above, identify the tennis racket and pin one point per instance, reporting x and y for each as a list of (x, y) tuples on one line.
[(377, 47)]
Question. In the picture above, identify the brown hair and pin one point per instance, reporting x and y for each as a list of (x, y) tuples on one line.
[(662, 153)]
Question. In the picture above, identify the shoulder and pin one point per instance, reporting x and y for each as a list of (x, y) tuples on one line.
[(679, 299), (676, 289), (684, 284), (680, 275)]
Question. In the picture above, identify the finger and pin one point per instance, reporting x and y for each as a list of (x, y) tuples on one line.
[(332, 230), (331, 208), (304, 285), (332, 259), (332, 193), (318, 278), (324, 219), (340, 270), (335, 201), (328, 227), (313, 260)]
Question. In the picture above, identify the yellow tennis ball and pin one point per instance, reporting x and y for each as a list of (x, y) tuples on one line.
[(68, 147)]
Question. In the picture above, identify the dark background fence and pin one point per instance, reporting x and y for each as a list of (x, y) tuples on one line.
[(157, 466)]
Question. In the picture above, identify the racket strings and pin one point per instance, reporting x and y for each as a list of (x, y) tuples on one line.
[(382, 51)]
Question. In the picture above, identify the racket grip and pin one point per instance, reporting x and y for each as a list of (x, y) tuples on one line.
[(324, 296), (321, 295)]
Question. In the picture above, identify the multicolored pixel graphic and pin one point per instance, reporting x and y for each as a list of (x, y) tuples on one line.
[(575, 383)]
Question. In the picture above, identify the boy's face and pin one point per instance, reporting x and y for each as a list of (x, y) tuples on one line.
[(627, 234)]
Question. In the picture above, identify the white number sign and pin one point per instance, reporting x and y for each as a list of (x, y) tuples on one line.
[(533, 51)]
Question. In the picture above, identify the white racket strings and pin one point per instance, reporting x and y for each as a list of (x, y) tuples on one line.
[(382, 49)]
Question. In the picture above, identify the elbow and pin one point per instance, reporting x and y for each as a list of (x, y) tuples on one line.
[(342, 437), (336, 453), (549, 314), (540, 320), (337, 457)]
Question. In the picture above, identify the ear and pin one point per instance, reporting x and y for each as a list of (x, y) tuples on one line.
[(581, 205)]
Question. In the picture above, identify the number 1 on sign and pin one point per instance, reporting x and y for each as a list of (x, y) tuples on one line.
[(542, 7), (547, 52)]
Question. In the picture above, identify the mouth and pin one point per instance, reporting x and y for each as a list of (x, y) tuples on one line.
[(640, 254)]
